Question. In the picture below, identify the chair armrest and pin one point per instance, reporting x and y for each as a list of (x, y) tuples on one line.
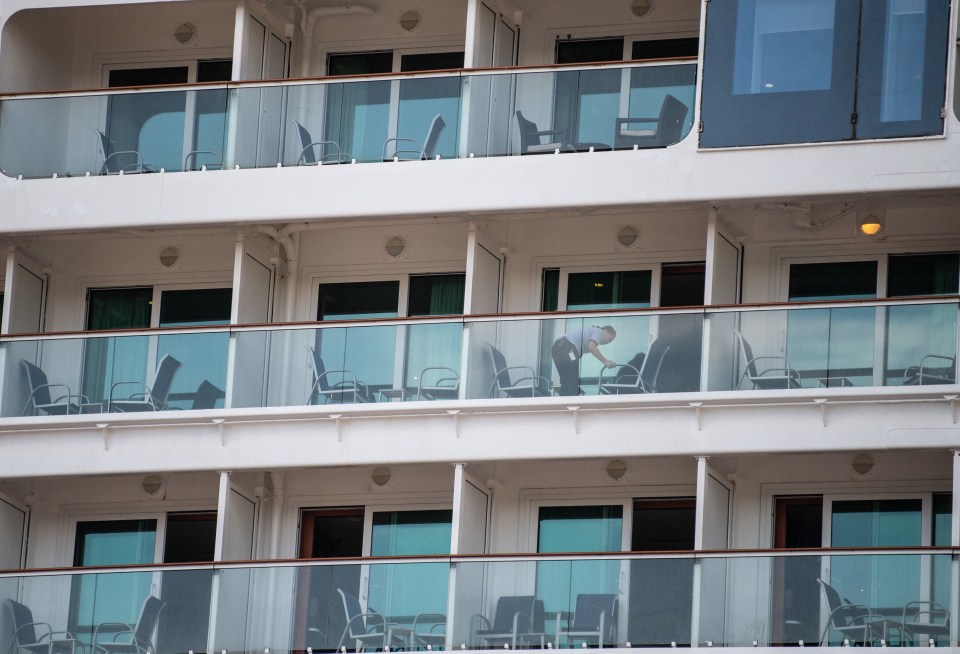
[(49, 633), (617, 368), (125, 629), (398, 139), (550, 132), (194, 153), (34, 392), (138, 160), (323, 156)]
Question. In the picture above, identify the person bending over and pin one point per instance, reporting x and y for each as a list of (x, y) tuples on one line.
[(568, 349)]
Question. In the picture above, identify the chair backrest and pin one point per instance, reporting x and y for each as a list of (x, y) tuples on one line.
[(163, 379), (652, 363), (510, 605), (590, 606), (306, 152), (24, 633), (38, 383), (433, 137), (670, 125), (351, 609), (746, 353), (841, 614), (109, 165), (501, 377), (147, 622), (318, 371), (528, 130)]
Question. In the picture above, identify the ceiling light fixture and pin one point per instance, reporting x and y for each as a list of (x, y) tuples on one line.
[(410, 21), (185, 33), (395, 246), (627, 236), (871, 225), (381, 476), (641, 8)]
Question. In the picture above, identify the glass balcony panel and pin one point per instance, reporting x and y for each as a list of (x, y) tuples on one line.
[(421, 99), (765, 599), (914, 332)]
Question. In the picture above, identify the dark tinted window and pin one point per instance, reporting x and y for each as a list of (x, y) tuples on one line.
[(665, 48), (360, 63), (358, 300), (431, 61), (923, 274), (584, 51), (833, 281)]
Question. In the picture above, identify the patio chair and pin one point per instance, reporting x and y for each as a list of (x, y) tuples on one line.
[(427, 151), (345, 389), (113, 161), (152, 397), (35, 637), (924, 618), (438, 383), (308, 153), (669, 127), (434, 633), (626, 379), (200, 159), (531, 139), (517, 620), (853, 621), (929, 374), (40, 398), (594, 620), (530, 385), (369, 628), (139, 635), (782, 377)]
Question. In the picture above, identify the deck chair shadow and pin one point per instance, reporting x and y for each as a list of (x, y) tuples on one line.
[(310, 148), (530, 384), (335, 386), (626, 379), (148, 398), (778, 377), (668, 130), (41, 400), (119, 161), (419, 152), (35, 637), (137, 638)]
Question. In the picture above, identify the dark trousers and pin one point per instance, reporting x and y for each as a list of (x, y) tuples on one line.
[(568, 366)]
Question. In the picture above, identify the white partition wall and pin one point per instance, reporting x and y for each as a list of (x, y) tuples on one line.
[(13, 526), (230, 608), (724, 259), (25, 287), (253, 286), (484, 282), (471, 508), (711, 576)]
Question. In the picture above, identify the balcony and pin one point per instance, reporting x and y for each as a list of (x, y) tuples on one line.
[(761, 351), (343, 121), (903, 596)]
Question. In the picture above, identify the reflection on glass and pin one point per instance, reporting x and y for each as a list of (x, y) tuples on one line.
[(783, 46), (904, 46)]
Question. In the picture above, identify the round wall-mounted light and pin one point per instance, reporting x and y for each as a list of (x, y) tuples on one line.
[(871, 225), (185, 33), (381, 476), (395, 246), (410, 21), (627, 236), (641, 8), (169, 256), (151, 484), (862, 464), (616, 469)]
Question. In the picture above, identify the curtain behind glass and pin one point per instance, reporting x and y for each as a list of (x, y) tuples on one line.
[(434, 345), (122, 358), (110, 597), (400, 533), (884, 583), (577, 529)]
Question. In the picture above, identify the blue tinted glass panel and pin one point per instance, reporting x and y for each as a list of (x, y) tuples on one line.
[(787, 76), (902, 73)]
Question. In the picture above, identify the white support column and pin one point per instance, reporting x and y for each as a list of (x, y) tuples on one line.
[(223, 517), (955, 561), (698, 545)]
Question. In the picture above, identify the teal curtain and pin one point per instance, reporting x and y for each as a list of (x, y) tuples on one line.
[(118, 358), (438, 344), (577, 529), (400, 533)]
